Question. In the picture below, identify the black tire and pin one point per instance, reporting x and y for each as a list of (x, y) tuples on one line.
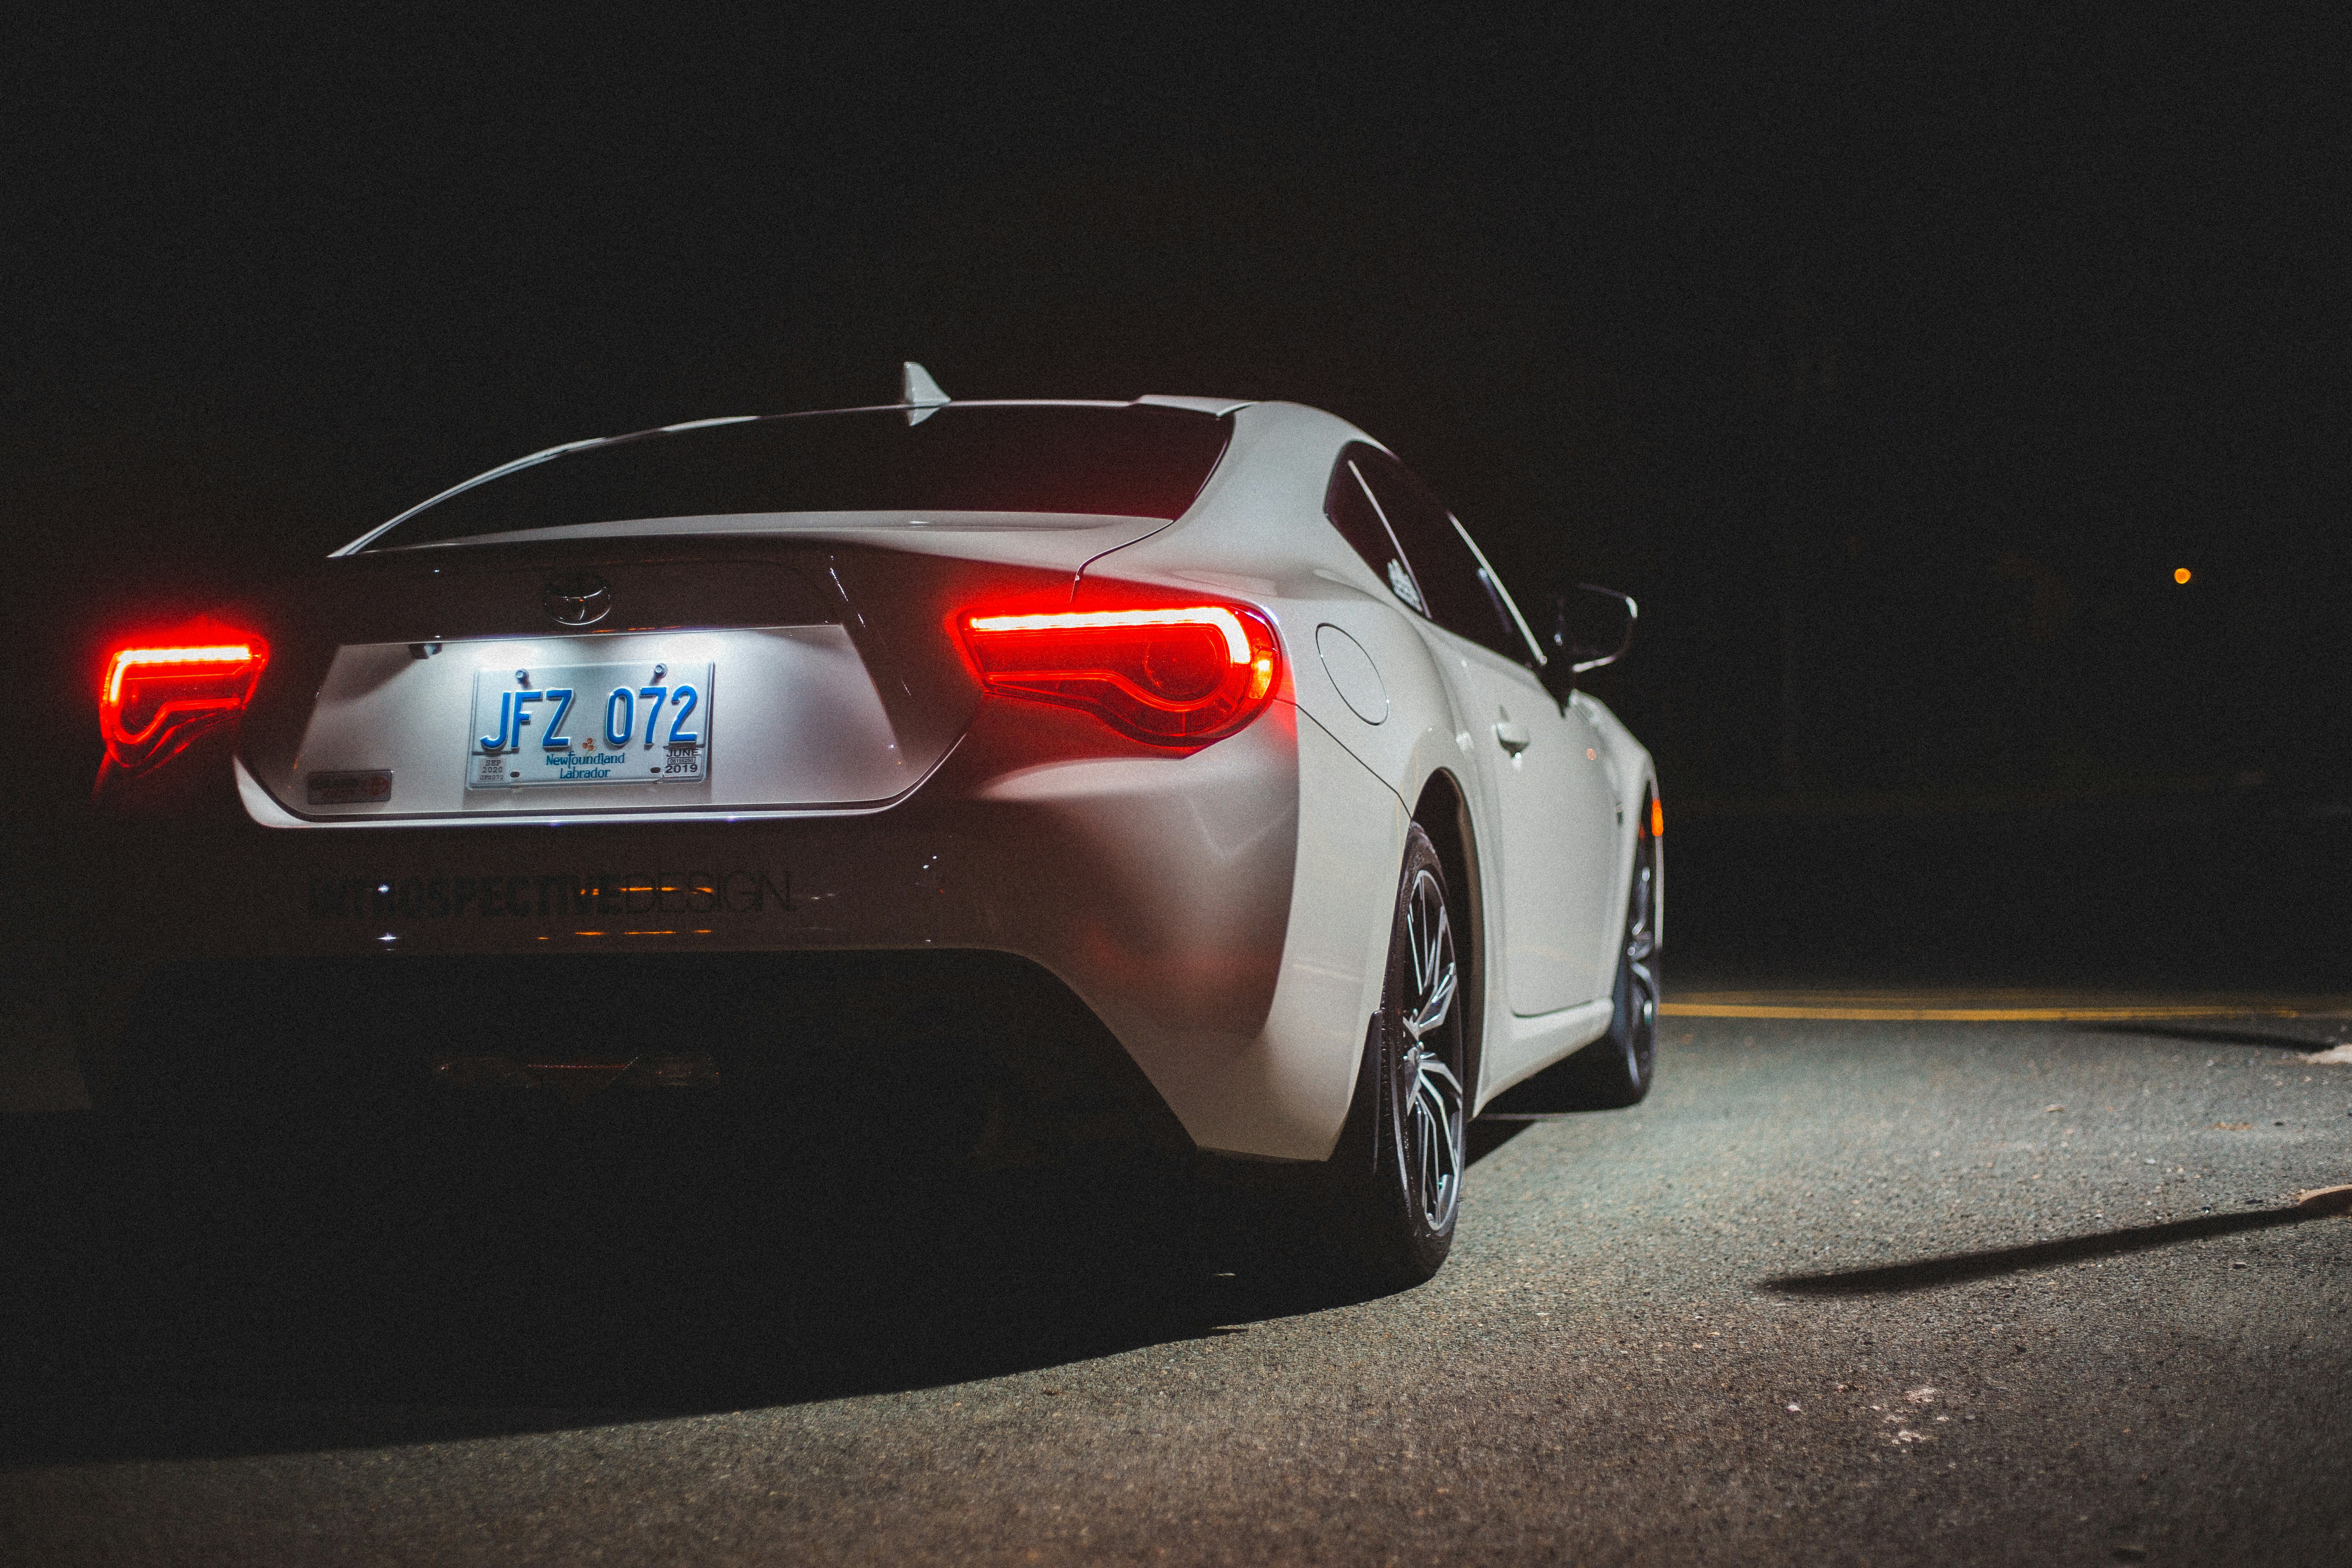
[(1396, 1180)]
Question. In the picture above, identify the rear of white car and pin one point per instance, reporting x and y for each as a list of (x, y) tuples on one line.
[(804, 728), (1179, 768)]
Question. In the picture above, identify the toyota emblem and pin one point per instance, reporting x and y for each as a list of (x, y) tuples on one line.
[(580, 599)]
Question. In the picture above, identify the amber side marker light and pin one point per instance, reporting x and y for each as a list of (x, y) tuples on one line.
[(156, 699), (1177, 675), (1657, 819)]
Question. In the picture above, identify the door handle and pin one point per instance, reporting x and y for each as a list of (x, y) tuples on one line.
[(1514, 737)]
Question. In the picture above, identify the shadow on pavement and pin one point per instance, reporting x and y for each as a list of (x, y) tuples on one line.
[(1489, 1133), (439, 1281), (2317, 1039), (1958, 1268)]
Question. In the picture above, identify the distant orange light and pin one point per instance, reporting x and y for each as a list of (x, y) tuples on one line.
[(1657, 817), (2180, 573)]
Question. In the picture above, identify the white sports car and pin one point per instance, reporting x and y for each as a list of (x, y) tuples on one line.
[(1185, 757)]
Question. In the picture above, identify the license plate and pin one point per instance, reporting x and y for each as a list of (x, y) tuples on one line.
[(590, 724)]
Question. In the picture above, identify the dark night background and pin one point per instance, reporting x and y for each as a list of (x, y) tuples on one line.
[(1894, 358)]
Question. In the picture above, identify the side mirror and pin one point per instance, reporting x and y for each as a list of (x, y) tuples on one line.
[(1590, 627)]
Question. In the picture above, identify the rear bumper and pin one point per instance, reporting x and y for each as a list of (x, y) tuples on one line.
[(1222, 915), (938, 1052)]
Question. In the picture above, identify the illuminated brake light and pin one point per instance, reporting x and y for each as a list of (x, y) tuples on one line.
[(1238, 647), (155, 700), (1178, 675)]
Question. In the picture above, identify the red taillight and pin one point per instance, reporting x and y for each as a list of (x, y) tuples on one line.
[(1176, 675), (158, 699)]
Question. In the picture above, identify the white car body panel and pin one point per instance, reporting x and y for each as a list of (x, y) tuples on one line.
[(1557, 832), (1438, 688), (1225, 912), (1519, 1048), (1280, 1090)]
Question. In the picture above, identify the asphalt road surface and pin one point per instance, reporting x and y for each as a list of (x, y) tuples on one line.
[(1838, 1292)]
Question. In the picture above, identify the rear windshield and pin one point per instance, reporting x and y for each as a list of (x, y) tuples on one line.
[(1116, 461)]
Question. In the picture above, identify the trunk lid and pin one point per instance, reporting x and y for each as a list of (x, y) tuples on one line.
[(809, 665)]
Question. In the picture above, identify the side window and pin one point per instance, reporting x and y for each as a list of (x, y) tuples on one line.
[(1456, 586), (1348, 502)]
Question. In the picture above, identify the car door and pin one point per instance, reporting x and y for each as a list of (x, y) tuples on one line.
[(1541, 761)]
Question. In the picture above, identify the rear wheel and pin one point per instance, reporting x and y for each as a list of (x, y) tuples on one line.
[(1397, 1178)]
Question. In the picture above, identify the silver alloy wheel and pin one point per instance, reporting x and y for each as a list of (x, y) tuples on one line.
[(1428, 1091)]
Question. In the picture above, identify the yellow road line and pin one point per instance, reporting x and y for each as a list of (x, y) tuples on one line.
[(1900, 1015)]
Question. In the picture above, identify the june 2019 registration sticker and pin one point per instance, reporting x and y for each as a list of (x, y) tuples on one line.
[(590, 724)]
